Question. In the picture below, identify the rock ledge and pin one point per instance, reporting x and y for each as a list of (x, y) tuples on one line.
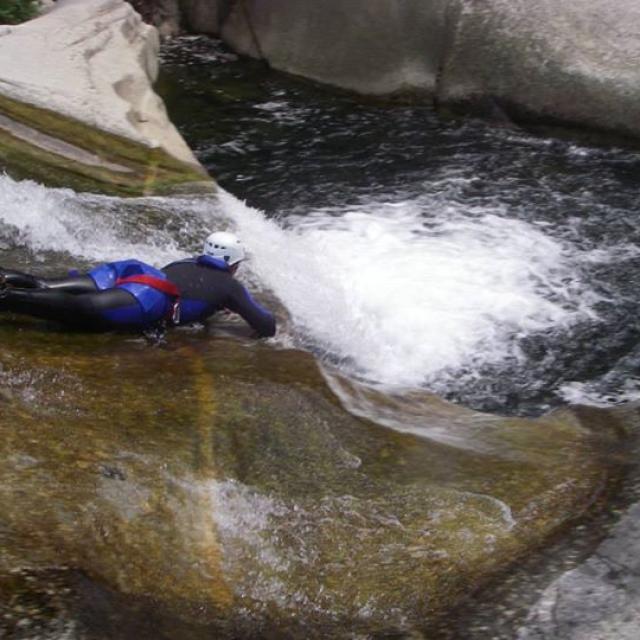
[(79, 108)]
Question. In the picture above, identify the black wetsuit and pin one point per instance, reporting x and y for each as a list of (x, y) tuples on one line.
[(205, 290), (74, 301), (98, 300)]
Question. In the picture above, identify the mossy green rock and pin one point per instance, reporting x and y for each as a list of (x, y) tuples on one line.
[(77, 106), (58, 151), (222, 480)]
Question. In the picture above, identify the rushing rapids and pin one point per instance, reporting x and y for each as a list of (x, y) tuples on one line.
[(493, 267), (393, 293)]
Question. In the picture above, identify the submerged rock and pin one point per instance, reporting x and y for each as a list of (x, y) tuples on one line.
[(77, 107), (231, 488)]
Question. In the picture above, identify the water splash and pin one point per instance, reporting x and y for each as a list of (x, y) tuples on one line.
[(401, 295), (93, 227), (402, 292)]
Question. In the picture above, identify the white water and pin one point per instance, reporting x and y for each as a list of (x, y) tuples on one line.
[(589, 394), (270, 542), (85, 226), (400, 293), (403, 298)]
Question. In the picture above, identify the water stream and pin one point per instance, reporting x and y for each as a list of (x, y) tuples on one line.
[(496, 268), (492, 267)]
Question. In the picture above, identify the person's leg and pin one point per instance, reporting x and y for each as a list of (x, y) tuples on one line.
[(71, 284), (105, 310), (18, 279)]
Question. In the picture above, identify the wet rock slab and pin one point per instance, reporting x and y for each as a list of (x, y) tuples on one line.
[(600, 599), (220, 483)]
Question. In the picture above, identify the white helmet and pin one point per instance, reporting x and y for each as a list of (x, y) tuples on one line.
[(224, 245)]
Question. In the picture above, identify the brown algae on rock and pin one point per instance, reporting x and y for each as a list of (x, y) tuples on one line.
[(224, 481), (117, 166)]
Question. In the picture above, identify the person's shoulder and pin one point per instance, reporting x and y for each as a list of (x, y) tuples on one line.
[(176, 263)]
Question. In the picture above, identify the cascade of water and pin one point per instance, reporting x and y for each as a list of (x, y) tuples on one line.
[(403, 298), (400, 293)]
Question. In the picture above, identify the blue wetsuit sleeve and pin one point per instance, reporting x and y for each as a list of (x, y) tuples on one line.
[(258, 318)]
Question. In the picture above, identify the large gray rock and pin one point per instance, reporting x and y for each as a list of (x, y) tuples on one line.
[(81, 98), (576, 62), (600, 600), (572, 62), (372, 46)]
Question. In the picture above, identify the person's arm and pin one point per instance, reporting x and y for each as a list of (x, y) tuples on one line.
[(258, 318)]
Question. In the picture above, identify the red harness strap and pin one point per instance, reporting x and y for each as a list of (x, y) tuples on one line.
[(166, 286)]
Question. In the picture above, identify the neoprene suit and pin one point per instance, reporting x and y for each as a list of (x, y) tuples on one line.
[(117, 296)]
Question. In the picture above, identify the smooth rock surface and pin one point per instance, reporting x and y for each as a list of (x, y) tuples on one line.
[(575, 63), (231, 488), (93, 60), (377, 46), (82, 73)]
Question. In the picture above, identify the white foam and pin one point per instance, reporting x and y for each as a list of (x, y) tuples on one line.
[(86, 226), (402, 294), (589, 394)]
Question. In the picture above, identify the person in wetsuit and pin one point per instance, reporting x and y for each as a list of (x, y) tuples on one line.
[(131, 295)]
